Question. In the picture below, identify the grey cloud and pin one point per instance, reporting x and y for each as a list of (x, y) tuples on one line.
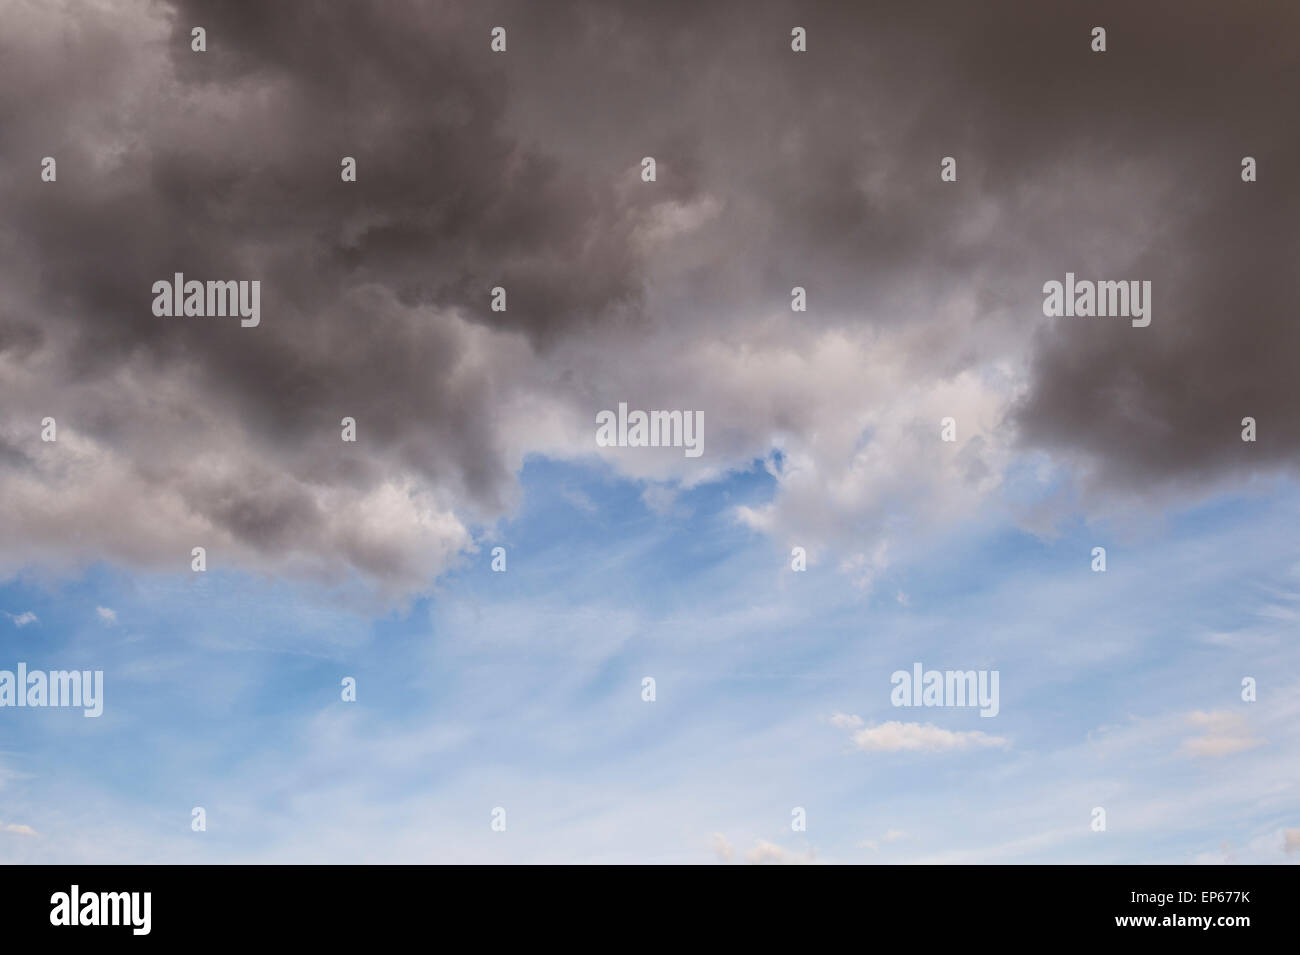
[(1117, 165)]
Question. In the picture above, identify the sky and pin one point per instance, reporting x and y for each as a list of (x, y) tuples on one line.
[(827, 536)]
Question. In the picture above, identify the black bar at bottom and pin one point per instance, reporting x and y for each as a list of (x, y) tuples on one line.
[(623, 907)]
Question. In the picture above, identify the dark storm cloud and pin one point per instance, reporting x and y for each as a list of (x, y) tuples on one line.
[(477, 170), (1123, 164)]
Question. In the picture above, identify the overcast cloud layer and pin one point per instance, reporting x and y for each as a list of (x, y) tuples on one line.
[(522, 170)]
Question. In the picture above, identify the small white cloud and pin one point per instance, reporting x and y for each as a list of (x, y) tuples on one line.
[(1223, 733), (894, 737), (107, 614), (22, 619), (768, 853), (722, 847), (17, 829), (1290, 840)]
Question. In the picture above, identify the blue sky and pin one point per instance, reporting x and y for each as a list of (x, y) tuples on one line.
[(522, 690)]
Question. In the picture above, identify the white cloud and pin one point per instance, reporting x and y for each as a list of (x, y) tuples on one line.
[(857, 454), (17, 829), (722, 847), (1224, 733), (22, 619), (107, 614), (768, 853), (894, 736)]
